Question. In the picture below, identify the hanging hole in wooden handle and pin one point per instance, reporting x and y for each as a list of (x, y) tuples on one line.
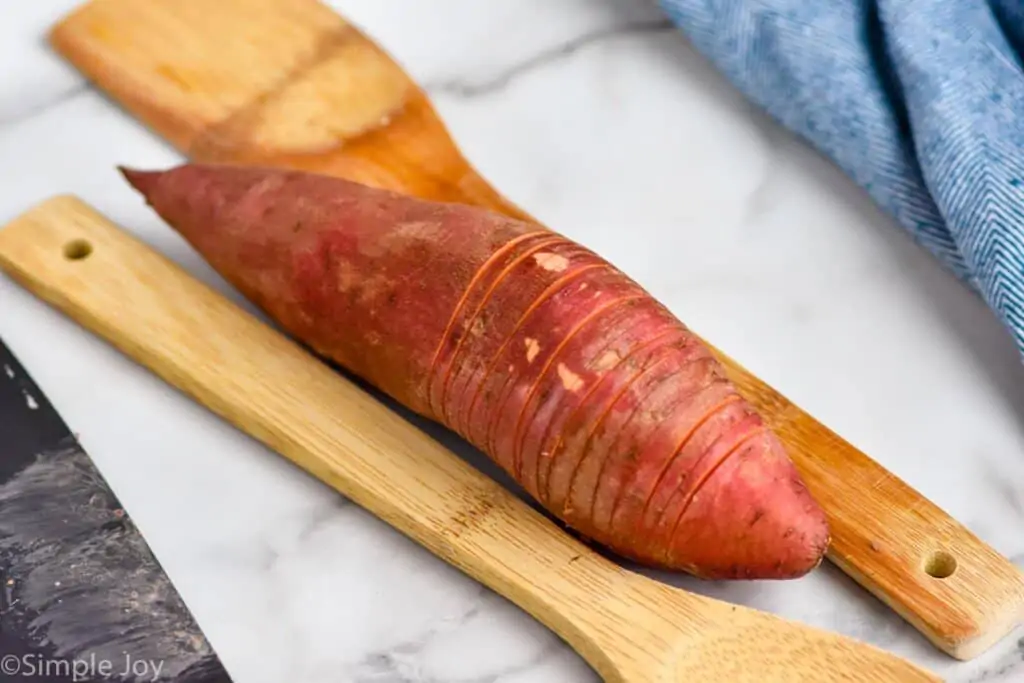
[(76, 250), (940, 565)]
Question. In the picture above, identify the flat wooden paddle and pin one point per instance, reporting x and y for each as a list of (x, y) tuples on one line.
[(628, 627), (290, 83)]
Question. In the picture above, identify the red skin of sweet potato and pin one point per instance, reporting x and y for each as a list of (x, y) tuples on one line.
[(562, 369)]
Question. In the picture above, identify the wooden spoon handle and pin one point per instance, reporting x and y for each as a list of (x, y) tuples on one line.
[(291, 83), (628, 627)]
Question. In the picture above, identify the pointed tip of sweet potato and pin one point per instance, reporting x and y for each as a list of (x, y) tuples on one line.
[(143, 181)]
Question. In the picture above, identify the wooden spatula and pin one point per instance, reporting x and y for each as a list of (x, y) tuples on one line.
[(628, 627), (290, 83)]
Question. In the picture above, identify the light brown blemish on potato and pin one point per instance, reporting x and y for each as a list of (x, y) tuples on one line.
[(570, 380), (366, 289), (532, 349), (347, 276), (403, 237), (373, 288), (421, 230), (553, 262), (608, 360), (477, 328)]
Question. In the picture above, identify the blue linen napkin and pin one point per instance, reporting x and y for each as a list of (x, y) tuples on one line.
[(920, 102)]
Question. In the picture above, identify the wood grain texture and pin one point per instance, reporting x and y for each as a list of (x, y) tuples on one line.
[(628, 627), (290, 83)]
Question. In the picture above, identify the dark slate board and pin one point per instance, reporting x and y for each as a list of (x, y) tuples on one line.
[(82, 598)]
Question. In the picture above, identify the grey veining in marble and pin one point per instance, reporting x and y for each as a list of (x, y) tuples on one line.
[(498, 80), (56, 100)]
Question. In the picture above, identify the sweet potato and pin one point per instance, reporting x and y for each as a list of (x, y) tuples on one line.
[(562, 369)]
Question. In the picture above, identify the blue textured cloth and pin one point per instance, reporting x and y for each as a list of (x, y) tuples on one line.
[(920, 102)]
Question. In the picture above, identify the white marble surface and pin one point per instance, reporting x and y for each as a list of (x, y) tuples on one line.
[(601, 121)]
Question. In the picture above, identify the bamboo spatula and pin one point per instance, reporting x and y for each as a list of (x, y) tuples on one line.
[(631, 629), (291, 83)]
